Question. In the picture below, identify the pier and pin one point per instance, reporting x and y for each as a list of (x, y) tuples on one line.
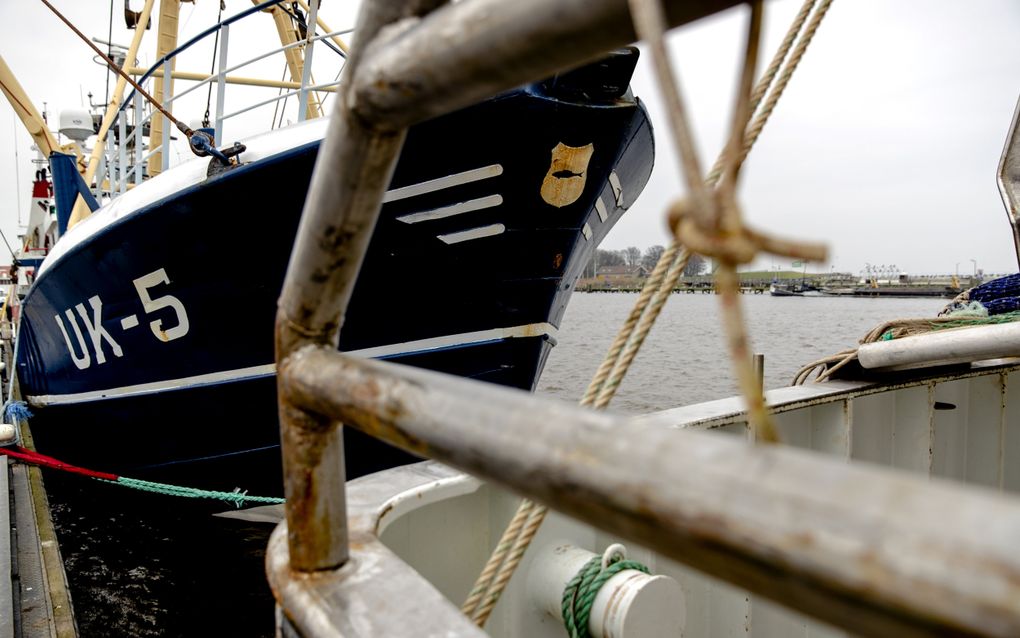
[(829, 284), (689, 290), (34, 596)]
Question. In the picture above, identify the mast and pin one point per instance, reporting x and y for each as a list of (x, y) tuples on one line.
[(325, 27), (26, 111), (289, 34), (169, 14)]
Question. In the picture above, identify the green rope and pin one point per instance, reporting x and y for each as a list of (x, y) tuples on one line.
[(579, 595), (962, 322), (237, 497)]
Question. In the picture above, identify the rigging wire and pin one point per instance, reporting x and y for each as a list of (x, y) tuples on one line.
[(336, 79), (300, 19), (212, 65), (17, 173), (109, 50), (14, 258), (276, 104), (182, 127)]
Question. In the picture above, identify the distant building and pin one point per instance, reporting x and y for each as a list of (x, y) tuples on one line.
[(621, 274)]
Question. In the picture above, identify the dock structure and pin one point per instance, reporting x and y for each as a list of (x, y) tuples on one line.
[(35, 601)]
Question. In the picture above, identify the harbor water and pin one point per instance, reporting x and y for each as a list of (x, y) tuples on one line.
[(684, 360), (149, 565)]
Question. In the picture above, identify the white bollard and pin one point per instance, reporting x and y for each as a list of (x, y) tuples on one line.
[(631, 604), (8, 433)]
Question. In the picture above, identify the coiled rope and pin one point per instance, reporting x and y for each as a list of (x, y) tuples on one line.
[(524, 525), (994, 302), (579, 594)]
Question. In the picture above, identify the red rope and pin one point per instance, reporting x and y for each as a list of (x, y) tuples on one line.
[(34, 458)]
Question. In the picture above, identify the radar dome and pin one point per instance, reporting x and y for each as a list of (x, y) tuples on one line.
[(76, 124)]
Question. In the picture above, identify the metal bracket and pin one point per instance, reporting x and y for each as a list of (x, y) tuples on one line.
[(1008, 179)]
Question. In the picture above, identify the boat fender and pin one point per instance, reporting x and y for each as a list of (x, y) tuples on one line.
[(8, 433)]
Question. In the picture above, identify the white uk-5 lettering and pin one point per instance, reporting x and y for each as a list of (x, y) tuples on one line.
[(95, 331), (142, 285)]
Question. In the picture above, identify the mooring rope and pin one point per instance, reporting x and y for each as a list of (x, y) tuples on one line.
[(664, 278), (237, 497)]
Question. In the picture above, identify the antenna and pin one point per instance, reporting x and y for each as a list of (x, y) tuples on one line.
[(17, 174), (14, 258)]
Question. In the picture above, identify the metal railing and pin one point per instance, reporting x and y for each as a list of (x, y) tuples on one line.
[(124, 163), (867, 549)]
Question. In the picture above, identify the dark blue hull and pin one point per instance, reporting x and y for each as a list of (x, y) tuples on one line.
[(147, 349)]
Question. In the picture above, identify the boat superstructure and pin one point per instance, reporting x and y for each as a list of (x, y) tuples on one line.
[(803, 526)]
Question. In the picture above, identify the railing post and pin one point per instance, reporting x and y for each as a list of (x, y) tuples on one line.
[(351, 174), (122, 167), (164, 150), (221, 84), (306, 70), (869, 549), (101, 173), (139, 146)]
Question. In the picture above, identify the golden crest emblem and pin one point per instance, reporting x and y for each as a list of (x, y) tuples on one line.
[(568, 172)]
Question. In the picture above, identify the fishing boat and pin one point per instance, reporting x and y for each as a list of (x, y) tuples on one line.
[(797, 289), (690, 522), (156, 310)]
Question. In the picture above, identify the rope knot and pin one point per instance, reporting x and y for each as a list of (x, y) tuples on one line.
[(16, 411), (579, 594), (738, 247)]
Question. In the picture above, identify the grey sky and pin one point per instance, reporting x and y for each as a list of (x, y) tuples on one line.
[(885, 145)]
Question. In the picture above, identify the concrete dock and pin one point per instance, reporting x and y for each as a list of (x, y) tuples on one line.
[(34, 598)]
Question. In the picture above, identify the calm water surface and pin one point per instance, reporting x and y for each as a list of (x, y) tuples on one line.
[(684, 359), (147, 565)]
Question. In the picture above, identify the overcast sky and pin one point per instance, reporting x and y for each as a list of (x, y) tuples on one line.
[(885, 145)]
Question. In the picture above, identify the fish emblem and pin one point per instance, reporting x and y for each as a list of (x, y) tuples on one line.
[(565, 181)]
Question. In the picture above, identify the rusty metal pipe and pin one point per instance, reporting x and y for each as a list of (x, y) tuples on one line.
[(468, 51), (352, 171), (875, 551)]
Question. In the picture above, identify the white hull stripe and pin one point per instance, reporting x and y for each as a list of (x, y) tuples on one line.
[(601, 209), (614, 181), (450, 211), (269, 369), (586, 231), (441, 183), (474, 233)]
